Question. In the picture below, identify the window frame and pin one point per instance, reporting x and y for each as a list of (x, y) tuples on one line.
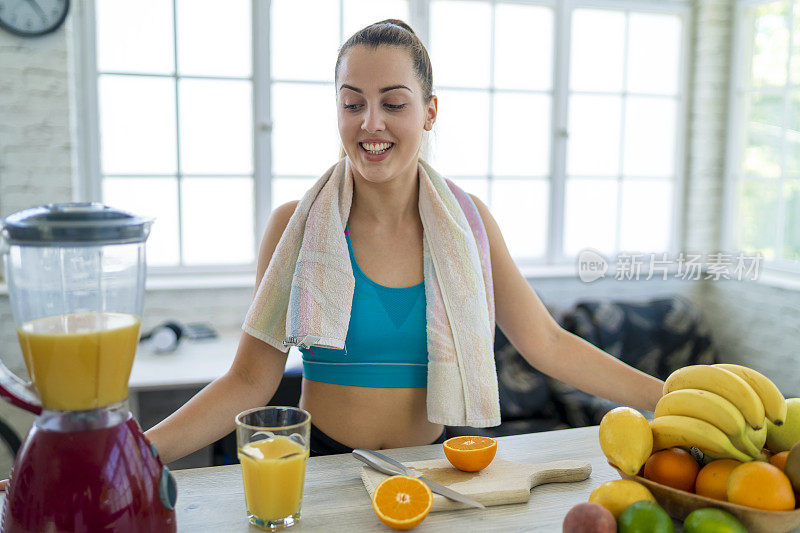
[(88, 179), (736, 139)]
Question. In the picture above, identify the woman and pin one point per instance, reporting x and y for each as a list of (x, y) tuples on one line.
[(385, 103)]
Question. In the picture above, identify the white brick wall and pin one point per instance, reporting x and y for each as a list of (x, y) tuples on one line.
[(35, 139), (753, 323), (708, 112)]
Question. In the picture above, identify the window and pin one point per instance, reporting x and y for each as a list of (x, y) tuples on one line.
[(625, 96), (174, 96), (564, 117), (764, 169)]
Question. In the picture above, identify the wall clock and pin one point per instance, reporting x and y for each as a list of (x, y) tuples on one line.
[(31, 18)]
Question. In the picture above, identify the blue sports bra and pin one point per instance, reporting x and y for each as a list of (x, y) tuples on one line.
[(386, 344)]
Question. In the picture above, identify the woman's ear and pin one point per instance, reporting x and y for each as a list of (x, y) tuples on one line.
[(430, 113)]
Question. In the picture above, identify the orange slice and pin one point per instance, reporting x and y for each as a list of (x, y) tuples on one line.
[(402, 502), (470, 454)]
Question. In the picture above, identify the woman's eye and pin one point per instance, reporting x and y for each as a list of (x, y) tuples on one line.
[(351, 106), (395, 107)]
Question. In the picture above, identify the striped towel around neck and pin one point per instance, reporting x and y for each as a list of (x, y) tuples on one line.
[(305, 296)]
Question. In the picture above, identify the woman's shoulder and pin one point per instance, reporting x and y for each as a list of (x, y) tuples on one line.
[(483, 210), (280, 215), (276, 225)]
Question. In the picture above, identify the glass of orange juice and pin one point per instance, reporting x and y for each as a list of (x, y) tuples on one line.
[(273, 445)]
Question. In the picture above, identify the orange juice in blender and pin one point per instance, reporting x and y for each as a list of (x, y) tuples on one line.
[(273, 482), (80, 361)]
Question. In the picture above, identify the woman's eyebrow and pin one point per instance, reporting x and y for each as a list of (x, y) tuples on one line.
[(385, 89)]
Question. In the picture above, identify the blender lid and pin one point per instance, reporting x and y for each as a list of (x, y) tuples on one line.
[(74, 223)]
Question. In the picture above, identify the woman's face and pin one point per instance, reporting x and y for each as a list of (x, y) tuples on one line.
[(381, 113)]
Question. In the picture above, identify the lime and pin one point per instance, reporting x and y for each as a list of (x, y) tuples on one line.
[(644, 517), (710, 520)]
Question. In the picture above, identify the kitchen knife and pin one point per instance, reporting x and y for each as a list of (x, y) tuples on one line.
[(387, 465)]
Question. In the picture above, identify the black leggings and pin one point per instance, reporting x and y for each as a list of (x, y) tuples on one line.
[(321, 444)]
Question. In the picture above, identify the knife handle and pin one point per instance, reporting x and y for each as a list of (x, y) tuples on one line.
[(368, 457)]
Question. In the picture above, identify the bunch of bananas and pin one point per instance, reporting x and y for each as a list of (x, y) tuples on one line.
[(720, 409)]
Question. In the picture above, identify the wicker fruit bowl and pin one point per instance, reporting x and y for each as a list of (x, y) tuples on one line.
[(678, 504)]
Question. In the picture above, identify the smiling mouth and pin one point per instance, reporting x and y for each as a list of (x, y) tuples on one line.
[(376, 148)]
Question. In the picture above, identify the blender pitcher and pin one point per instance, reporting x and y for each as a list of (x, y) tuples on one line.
[(76, 276)]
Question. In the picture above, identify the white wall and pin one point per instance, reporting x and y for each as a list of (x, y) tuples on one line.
[(753, 323)]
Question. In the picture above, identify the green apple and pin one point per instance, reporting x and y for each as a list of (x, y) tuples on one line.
[(782, 438)]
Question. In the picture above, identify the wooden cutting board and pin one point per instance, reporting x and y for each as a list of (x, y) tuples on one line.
[(500, 483)]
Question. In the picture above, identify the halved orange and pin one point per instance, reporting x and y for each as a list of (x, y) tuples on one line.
[(402, 502), (470, 454)]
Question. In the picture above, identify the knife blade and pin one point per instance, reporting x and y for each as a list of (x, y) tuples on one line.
[(387, 465)]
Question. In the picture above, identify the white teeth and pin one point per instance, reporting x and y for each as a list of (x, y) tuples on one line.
[(376, 148)]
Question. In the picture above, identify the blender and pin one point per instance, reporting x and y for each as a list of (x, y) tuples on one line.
[(76, 274)]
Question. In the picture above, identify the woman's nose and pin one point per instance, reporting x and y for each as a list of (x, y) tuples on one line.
[(373, 120)]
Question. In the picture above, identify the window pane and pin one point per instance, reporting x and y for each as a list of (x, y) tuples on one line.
[(654, 46), (134, 36), (150, 197), (477, 186), (461, 134), (594, 135), (523, 46), (770, 43), (590, 215), (646, 216), (649, 137), (361, 13), (598, 50), (521, 209), (793, 135), (289, 189), (460, 43), (791, 220), (794, 68), (758, 210), (764, 121), (216, 126), (137, 125), (521, 134), (305, 138), (214, 40), (217, 220), (304, 47)]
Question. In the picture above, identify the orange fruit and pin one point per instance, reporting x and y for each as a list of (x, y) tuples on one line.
[(761, 485), (779, 460), (470, 454), (673, 467), (712, 480), (402, 502)]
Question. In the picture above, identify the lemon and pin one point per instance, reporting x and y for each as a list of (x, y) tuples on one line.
[(626, 439), (617, 495), (710, 520), (645, 517)]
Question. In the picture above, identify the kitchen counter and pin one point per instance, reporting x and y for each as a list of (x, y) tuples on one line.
[(212, 499)]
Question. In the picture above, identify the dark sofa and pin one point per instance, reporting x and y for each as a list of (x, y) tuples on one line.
[(656, 337)]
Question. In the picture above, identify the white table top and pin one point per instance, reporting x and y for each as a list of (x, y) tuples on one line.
[(212, 499), (195, 363)]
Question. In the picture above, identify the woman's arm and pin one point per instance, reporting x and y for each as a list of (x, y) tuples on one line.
[(253, 378), (544, 344), (251, 381)]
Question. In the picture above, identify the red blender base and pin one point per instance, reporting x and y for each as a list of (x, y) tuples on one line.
[(108, 479)]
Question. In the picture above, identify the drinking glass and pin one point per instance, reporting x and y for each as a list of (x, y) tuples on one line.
[(273, 445)]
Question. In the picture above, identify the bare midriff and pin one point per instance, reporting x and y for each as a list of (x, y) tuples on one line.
[(367, 417)]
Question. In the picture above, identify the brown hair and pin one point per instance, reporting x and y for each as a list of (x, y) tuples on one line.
[(393, 32)]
